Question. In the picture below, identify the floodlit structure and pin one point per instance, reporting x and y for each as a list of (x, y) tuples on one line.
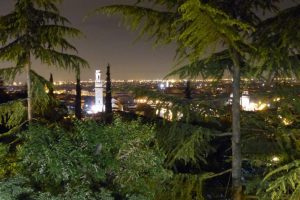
[(247, 104), (99, 105)]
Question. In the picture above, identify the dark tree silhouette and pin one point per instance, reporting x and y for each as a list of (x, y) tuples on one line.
[(35, 30), (78, 96), (108, 106), (3, 96), (188, 90), (51, 91)]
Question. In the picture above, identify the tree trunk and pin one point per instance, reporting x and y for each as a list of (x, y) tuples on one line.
[(236, 131), (78, 96), (29, 92)]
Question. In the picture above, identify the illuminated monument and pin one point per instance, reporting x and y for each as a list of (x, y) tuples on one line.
[(99, 106)]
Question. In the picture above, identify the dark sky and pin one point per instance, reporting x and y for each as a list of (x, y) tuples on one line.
[(107, 41)]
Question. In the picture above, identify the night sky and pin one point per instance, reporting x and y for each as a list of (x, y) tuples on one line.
[(106, 41)]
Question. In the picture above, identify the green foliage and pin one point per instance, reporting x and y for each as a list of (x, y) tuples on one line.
[(8, 162), (275, 154), (40, 98), (186, 186), (186, 143), (17, 188), (12, 113), (282, 183), (197, 28), (212, 67), (91, 161), (35, 30), (278, 44), (14, 189), (205, 28), (11, 72), (276, 52), (139, 158), (187, 140), (156, 24), (40, 31)]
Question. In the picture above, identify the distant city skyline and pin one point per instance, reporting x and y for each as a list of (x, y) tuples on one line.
[(106, 41)]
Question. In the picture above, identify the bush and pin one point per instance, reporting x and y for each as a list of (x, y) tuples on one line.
[(90, 161)]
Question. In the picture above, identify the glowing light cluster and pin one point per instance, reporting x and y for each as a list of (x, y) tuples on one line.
[(249, 105), (285, 121), (167, 114), (275, 159)]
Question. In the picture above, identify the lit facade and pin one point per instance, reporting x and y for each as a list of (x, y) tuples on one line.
[(99, 105)]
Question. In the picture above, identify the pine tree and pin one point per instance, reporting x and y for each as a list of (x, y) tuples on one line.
[(278, 46), (108, 102), (195, 27), (34, 29), (199, 28)]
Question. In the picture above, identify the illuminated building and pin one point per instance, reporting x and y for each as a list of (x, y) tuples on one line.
[(99, 105), (245, 102)]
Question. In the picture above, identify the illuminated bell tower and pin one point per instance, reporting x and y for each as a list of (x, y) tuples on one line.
[(99, 106)]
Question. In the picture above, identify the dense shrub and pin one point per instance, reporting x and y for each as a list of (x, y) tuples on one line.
[(90, 161)]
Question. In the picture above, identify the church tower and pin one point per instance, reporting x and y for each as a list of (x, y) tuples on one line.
[(99, 106)]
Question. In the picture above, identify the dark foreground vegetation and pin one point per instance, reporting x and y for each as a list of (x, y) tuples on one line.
[(137, 157)]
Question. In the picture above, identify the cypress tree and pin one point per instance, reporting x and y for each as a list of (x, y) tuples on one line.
[(108, 105), (2, 91), (78, 113), (188, 91), (51, 88)]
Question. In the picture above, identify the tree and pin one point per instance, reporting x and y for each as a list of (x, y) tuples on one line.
[(91, 161), (51, 90), (199, 28), (190, 144), (108, 103), (3, 96), (277, 52), (187, 91), (34, 29), (78, 111), (278, 46)]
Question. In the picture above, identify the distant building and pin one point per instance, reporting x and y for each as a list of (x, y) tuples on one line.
[(125, 101), (99, 105), (247, 104)]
